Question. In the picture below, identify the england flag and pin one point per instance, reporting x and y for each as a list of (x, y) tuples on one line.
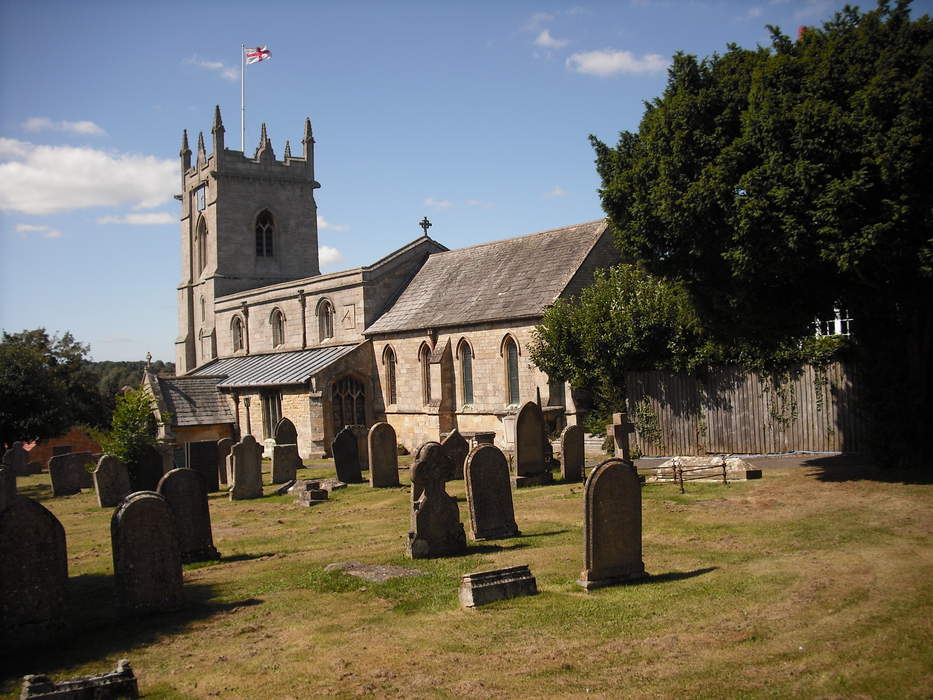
[(260, 53)]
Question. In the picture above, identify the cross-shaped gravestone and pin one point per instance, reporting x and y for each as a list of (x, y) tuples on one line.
[(621, 427), (425, 225)]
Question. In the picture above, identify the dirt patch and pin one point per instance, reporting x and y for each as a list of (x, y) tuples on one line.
[(374, 573)]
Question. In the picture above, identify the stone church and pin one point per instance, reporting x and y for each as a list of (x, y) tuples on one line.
[(426, 338)]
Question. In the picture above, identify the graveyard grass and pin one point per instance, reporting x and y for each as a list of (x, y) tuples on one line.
[(809, 582)]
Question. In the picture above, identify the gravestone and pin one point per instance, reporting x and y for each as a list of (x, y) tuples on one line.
[(245, 467), (612, 525), (224, 445), (33, 574), (69, 473), (383, 456), (146, 471), (17, 460), (202, 457), (186, 494), (457, 449), (346, 456), (436, 530), (285, 458), (362, 444), (531, 464), (619, 431), (489, 494), (309, 493), (485, 587), (571, 453), (111, 481), (119, 683), (146, 558)]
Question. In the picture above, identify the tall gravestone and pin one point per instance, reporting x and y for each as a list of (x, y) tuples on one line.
[(436, 530), (69, 474), (612, 526), (457, 449), (17, 459), (187, 496), (531, 464), (571, 453), (202, 457), (111, 481), (489, 494), (345, 449), (383, 456), (224, 445), (33, 574), (245, 466), (146, 469), (146, 557), (362, 444), (285, 458)]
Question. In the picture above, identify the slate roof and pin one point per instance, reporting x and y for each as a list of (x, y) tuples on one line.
[(514, 278), (274, 369), (194, 401)]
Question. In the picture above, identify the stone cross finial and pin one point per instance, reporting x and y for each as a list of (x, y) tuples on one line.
[(425, 225), (148, 359), (621, 427)]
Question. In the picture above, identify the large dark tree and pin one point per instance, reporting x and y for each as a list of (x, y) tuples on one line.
[(777, 184)]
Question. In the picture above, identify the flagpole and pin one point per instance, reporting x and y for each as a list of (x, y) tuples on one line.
[(243, 98)]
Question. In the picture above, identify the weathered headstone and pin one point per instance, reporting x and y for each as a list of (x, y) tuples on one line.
[(457, 449), (285, 458), (484, 437), (119, 683), (362, 444), (245, 466), (17, 459), (489, 494), (111, 481), (69, 474), (33, 574), (202, 457), (345, 449), (186, 495), (436, 529), (612, 525), (571, 453), (224, 445), (619, 430), (383, 456), (485, 587), (531, 466), (309, 493), (146, 470), (146, 557)]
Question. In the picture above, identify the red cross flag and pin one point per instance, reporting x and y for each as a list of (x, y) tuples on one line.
[(260, 53)]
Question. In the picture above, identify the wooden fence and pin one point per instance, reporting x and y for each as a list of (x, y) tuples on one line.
[(734, 412)]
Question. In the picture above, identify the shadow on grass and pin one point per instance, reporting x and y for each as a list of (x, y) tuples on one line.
[(37, 492), (93, 630), (545, 534), (672, 576), (226, 560), (854, 467)]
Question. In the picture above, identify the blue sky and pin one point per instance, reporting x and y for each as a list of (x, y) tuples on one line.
[(474, 114)]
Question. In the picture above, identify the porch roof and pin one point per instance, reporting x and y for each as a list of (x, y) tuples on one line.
[(273, 369)]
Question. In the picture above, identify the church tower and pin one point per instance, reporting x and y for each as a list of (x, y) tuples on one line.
[(246, 222)]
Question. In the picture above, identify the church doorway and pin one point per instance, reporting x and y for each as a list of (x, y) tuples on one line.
[(348, 399)]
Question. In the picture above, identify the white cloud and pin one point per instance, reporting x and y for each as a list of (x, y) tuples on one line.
[(558, 191), (440, 204), (46, 231), (224, 71), (545, 40), (608, 62), (329, 256), (45, 124), (48, 179), (150, 219), (322, 223)]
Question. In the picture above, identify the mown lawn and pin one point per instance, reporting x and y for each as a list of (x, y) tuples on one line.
[(795, 585)]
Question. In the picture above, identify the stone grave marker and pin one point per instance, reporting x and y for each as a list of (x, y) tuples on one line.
[(345, 449), (619, 430), (69, 473), (571, 453), (33, 574), (285, 458), (146, 471), (17, 459), (457, 449), (383, 456), (489, 494), (202, 457), (309, 493), (436, 529), (185, 493), (224, 445), (531, 464), (119, 683), (612, 525), (485, 587), (245, 467), (362, 444), (111, 481), (146, 557)]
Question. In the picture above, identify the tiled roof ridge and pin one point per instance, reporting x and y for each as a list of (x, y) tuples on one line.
[(388, 257), (513, 239)]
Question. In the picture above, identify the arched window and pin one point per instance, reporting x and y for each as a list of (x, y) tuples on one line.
[(201, 245), (348, 397), (388, 360), (424, 358), (265, 227), (236, 329), (325, 318), (510, 351), (278, 328), (465, 352)]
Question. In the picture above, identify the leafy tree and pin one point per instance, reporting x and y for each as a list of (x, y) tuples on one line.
[(31, 396), (776, 184), (131, 429)]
